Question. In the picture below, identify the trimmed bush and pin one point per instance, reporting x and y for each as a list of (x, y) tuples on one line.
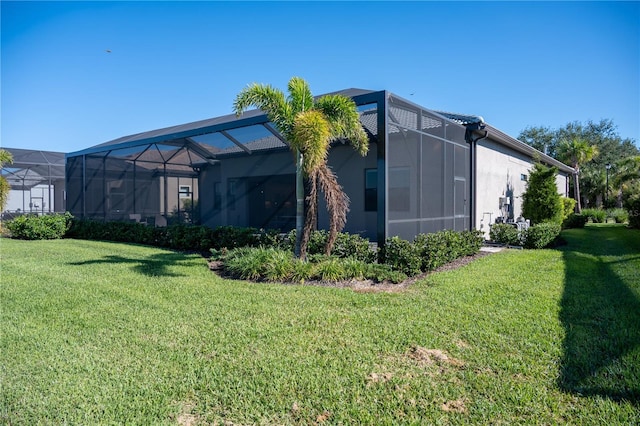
[(618, 215), (541, 235), (541, 201), (402, 256), (34, 227), (503, 233), (575, 220), (633, 206), (595, 215)]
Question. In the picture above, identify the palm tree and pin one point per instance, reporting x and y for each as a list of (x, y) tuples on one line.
[(577, 152), (5, 158), (309, 126)]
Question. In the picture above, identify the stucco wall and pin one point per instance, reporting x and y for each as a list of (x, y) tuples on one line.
[(499, 172)]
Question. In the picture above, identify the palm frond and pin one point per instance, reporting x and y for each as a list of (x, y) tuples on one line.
[(337, 204), (300, 97), (271, 101), (5, 157), (342, 114), (311, 135)]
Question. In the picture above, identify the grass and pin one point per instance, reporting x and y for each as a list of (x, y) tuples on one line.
[(103, 333)]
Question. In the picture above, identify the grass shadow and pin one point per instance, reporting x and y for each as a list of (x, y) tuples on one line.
[(156, 265), (600, 313)]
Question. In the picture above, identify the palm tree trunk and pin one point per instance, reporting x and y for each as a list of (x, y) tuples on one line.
[(577, 192), (299, 203)]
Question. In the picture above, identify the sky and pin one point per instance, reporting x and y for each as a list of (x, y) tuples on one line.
[(77, 74)]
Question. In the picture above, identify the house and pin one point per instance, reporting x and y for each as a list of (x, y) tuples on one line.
[(37, 181), (425, 171)]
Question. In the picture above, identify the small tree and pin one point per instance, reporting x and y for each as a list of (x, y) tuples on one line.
[(5, 187), (541, 201), (577, 152)]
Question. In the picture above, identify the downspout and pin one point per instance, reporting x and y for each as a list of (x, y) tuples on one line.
[(474, 181)]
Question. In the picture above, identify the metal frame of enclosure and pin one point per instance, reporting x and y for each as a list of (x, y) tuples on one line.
[(37, 181), (239, 171)]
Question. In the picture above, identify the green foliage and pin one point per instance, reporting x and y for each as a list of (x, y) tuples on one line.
[(613, 149), (632, 204), (331, 269), (5, 187), (302, 271), (273, 264), (541, 201), (34, 227), (402, 256), (541, 235), (309, 126), (575, 220), (177, 236), (568, 206), (346, 245), (503, 233), (430, 251), (595, 215), (232, 237), (618, 215)]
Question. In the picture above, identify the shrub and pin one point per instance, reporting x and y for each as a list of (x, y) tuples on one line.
[(232, 237), (355, 269), (633, 207), (302, 271), (568, 206), (380, 273), (331, 270), (541, 201), (618, 215), (541, 235), (575, 220), (33, 227), (402, 256), (346, 245), (503, 233), (595, 215)]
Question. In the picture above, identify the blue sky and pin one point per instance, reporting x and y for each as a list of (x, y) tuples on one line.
[(517, 64)]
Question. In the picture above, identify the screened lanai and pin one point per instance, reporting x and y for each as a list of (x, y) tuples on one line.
[(239, 171), (37, 180)]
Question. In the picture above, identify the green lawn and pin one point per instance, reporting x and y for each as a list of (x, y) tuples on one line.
[(104, 333)]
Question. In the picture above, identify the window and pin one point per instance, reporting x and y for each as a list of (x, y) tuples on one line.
[(184, 191), (523, 178), (371, 190)]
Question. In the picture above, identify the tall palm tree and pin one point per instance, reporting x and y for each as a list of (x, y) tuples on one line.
[(577, 152), (309, 126), (5, 158)]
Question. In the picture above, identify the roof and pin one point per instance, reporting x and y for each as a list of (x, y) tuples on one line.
[(505, 139), (32, 167), (215, 137)]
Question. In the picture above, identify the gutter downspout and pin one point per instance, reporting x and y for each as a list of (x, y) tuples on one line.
[(474, 181)]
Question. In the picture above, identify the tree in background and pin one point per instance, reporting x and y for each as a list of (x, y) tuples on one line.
[(5, 187), (541, 201), (627, 182), (603, 134), (576, 152), (309, 126)]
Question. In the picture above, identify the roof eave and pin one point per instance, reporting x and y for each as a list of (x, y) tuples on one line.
[(524, 148)]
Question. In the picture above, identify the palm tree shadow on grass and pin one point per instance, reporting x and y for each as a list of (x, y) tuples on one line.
[(601, 317), (156, 265)]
